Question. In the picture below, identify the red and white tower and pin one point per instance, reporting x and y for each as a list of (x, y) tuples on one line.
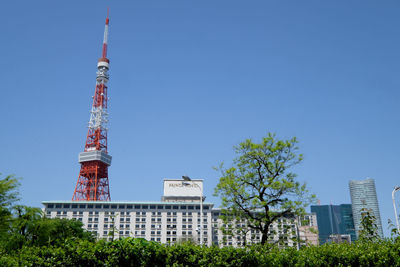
[(92, 182)]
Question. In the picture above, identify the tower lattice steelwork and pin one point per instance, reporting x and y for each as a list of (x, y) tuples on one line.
[(93, 182)]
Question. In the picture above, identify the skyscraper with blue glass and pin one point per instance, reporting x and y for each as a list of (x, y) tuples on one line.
[(363, 196), (334, 220)]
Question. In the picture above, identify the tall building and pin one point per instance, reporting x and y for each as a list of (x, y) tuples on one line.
[(92, 184), (363, 195), (334, 220)]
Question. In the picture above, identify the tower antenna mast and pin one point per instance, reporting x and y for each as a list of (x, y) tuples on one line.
[(93, 182)]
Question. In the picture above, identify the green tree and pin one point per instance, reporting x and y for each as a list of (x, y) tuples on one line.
[(8, 196), (368, 227), (260, 184)]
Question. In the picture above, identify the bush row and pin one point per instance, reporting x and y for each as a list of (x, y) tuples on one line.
[(139, 252)]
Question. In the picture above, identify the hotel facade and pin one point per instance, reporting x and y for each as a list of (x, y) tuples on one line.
[(181, 215)]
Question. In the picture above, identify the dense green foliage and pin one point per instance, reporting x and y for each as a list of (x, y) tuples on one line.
[(139, 252), (260, 186), (22, 226), (369, 228), (8, 195)]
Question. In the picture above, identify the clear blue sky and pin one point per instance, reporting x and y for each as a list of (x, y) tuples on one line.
[(190, 79)]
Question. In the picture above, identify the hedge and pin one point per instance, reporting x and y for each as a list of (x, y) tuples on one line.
[(139, 252)]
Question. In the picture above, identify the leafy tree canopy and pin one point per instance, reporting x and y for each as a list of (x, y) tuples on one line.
[(8, 196), (260, 185)]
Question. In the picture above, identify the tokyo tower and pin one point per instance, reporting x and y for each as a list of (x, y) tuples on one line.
[(93, 182)]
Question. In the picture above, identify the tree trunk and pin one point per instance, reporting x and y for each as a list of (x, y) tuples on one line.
[(264, 237)]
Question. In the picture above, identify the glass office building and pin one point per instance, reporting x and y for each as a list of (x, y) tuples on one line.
[(363, 195), (334, 220)]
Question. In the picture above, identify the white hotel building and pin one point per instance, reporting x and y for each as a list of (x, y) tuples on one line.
[(174, 219)]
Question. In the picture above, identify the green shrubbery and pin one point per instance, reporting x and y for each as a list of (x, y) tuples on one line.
[(139, 252)]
